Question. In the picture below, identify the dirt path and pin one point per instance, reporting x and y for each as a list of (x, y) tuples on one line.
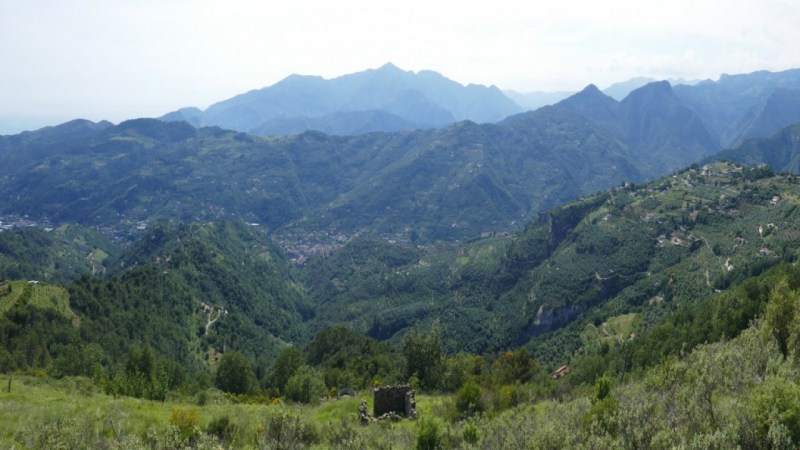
[(212, 319)]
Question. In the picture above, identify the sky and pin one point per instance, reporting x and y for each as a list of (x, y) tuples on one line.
[(121, 59)]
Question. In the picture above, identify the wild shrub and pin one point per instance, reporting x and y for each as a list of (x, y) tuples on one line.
[(286, 432), (468, 399), (185, 420), (470, 433), (429, 435), (602, 417), (775, 406), (202, 398), (61, 433), (222, 428)]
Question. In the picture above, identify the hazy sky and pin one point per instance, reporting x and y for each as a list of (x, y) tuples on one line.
[(120, 59)]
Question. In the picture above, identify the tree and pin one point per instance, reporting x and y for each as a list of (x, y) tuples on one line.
[(780, 315), (602, 388), (288, 361), (235, 374), (458, 369), (514, 366), (423, 357), (305, 385)]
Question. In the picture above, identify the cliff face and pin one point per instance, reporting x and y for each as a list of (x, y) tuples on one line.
[(548, 320)]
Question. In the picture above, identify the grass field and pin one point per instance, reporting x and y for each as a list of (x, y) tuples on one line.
[(614, 330), (42, 412)]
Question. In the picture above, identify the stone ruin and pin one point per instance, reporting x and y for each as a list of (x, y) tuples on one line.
[(389, 403), (398, 400)]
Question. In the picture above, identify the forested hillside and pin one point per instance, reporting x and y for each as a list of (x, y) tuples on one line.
[(635, 251), (779, 151), (428, 185), (627, 256), (189, 292), (708, 376)]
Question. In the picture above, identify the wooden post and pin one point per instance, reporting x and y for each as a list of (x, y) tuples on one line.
[(10, 377)]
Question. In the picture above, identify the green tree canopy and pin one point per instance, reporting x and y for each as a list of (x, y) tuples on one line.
[(780, 315), (235, 374), (305, 385), (288, 361), (423, 357)]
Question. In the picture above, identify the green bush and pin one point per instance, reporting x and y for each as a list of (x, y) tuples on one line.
[(423, 357), (468, 399), (287, 431), (429, 435), (288, 361), (602, 388), (470, 433), (602, 417), (776, 402), (222, 428), (305, 386), (185, 420), (235, 374)]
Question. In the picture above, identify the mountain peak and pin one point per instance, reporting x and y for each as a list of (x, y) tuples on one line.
[(591, 102), (659, 87), (421, 100), (590, 92), (389, 67), (590, 89), (653, 93)]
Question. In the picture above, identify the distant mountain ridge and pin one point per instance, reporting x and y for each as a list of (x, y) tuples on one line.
[(383, 99), (454, 182), (730, 105), (651, 123), (669, 126), (779, 109), (389, 99), (618, 91), (449, 183), (781, 151), (537, 99)]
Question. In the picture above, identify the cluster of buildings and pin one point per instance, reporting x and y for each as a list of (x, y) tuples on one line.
[(13, 222)]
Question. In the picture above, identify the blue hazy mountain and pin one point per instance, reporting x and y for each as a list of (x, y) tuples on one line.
[(651, 123), (383, 99), (727, 105), (537, 99)]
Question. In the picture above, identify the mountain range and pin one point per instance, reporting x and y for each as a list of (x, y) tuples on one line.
[(389, 99), (592, 232), (426, 185), (780, 151), (452, 182), (383, 99), (732, 104), (618, 91)]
